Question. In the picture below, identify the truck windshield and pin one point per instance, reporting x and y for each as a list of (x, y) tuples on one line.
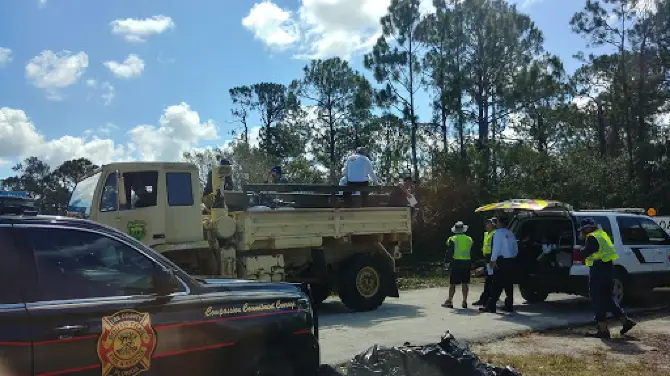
[(82, 197)]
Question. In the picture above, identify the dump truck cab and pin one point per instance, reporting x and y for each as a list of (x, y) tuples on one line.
[(157, 203)]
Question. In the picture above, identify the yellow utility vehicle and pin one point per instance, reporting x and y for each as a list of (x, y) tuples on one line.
[(350, 251)]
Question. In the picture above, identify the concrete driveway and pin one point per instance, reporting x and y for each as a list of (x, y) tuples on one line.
[(417, 317)]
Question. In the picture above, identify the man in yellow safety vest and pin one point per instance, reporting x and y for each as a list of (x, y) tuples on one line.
[(486, 252), (599, 255), (459, 245)]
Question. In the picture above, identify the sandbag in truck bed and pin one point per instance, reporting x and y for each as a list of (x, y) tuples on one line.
[(446, 358)]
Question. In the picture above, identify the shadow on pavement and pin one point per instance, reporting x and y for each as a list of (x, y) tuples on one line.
[(472, 311), (333, 314)]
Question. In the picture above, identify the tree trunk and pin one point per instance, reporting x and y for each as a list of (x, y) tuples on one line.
[(443, 126), (415, 162), (331, 145), (602, 136)]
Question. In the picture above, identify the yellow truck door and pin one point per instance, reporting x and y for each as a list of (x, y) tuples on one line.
[(143, 215)]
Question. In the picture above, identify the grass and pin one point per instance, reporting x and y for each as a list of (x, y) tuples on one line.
[(422, 282), (594, 364)]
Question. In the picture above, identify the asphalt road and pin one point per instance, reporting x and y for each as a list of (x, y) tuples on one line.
[(417, 317)]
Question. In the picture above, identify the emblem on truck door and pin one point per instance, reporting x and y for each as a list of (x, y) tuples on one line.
[(137, 229), (126, 344)]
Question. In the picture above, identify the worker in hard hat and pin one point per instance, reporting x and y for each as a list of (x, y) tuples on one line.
[(599, 255), (459, 245), (487, 245)]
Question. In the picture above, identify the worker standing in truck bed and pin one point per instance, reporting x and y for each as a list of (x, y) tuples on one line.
[(358, 170)]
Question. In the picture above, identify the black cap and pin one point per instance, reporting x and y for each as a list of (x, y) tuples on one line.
[(586, 223), (276, 169)]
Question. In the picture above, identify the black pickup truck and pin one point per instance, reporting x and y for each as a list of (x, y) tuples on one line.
[(80, 298)]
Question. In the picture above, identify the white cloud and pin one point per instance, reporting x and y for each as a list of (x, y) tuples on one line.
[(108, 93), (179, 129), (5, 56), (138, 30), (108, 128), (104, 89), (41, 3), (53, 71), (133, 66), (163, 60), (322, 28), (271, 24), (19, 138), (528, 3)]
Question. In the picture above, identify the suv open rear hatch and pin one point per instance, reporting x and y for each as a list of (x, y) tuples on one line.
[(527, 208)]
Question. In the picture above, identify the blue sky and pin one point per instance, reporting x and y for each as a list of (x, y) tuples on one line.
[(147, 79)]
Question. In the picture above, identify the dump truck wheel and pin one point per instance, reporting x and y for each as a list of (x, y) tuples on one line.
[(362, 281)]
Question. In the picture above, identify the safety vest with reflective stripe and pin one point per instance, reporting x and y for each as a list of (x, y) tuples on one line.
[(488, 242), (462, 246), (606, 251)]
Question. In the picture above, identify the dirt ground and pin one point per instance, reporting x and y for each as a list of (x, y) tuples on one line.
[(643, 351)]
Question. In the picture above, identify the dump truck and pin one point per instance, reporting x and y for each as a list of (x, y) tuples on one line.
[(349, 251)]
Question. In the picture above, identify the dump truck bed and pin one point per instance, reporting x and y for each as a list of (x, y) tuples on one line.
[(299, 228)]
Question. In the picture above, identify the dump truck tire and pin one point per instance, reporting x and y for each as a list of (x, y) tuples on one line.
[(361, 282)]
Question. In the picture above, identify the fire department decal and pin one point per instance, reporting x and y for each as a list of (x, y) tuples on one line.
[(126, 344), (137, 229)]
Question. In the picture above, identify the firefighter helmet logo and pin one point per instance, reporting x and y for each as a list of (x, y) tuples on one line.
[(137, 229), (126, 344)]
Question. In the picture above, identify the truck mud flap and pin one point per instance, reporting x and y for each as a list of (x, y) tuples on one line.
[(391, 287)]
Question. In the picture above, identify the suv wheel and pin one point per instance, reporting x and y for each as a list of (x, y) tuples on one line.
[(619, 289), (533, 294)]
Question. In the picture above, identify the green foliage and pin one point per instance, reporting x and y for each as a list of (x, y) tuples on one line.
[(51, 189), (340, 100)]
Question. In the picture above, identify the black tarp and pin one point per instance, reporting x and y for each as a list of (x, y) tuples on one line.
[(446, 358)]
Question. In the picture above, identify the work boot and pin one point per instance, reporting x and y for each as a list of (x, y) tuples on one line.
[(479, 303), (628, 324), (448, 304), (486, 309), (602, 332)]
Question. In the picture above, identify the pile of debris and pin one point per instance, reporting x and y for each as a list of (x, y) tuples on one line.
[(446, 358)]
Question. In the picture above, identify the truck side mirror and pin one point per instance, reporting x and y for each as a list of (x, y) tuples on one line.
[(164, 282)]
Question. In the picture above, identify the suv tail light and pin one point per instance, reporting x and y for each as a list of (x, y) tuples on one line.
[(577, 258)]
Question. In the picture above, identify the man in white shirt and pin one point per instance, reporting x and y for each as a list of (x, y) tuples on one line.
[(358, 171), (503, 260)]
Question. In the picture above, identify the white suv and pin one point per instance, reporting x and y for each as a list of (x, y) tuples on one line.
[(643, 249)]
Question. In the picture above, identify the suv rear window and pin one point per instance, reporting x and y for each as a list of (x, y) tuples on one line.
[(641, 231), (602, 221)]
